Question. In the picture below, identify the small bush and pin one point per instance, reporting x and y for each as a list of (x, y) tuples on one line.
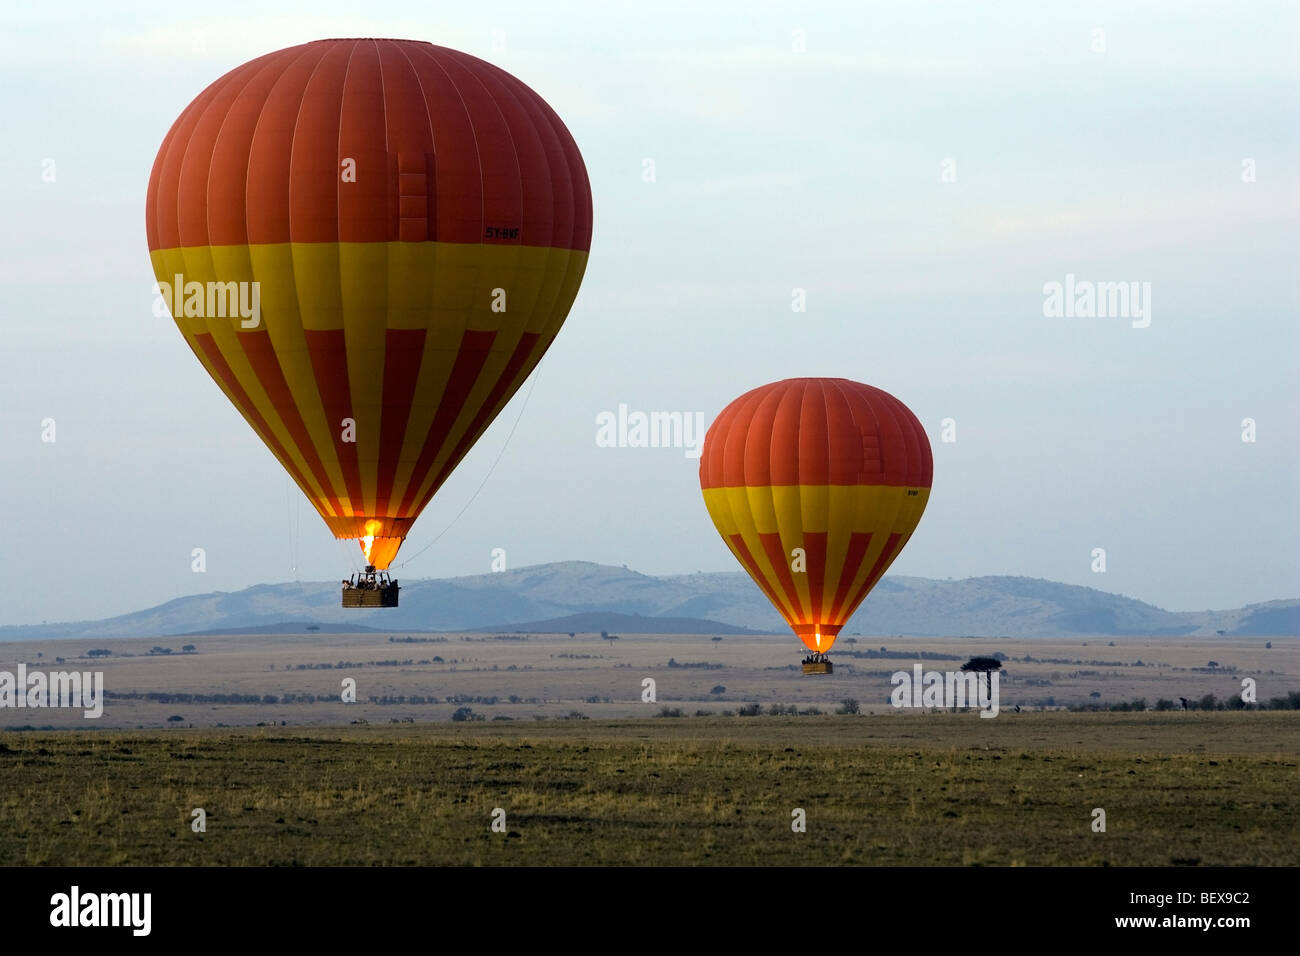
[(751, 710), (848, 706)]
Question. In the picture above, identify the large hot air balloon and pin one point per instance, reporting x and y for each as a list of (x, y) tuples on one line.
[(816, 484), (403, 228)]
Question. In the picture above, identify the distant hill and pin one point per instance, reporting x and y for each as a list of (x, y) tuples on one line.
[(285, 627), (562, 594), (593, 622)]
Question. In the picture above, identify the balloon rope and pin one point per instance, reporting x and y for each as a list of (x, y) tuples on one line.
[(529, 394), (350, 553), (288, 507)]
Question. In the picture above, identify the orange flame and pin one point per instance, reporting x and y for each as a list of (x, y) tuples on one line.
[(368, 541)]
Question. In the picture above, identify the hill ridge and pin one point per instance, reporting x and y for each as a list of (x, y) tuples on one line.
[(544, 594)]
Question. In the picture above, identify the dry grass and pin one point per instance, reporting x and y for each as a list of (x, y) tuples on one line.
[(1207, 788)]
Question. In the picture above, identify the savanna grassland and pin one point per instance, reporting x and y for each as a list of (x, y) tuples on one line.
[(298, 679), (1185, 788)]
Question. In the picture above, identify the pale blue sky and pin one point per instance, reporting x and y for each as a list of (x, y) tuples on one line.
[(775, 170)]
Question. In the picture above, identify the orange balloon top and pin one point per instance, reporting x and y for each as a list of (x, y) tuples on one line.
[(256, 157), (816, 431)]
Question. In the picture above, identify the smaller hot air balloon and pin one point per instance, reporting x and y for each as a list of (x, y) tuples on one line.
[(816, 484)]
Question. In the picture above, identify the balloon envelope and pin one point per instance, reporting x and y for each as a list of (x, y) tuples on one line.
[(816, 484), (407, 224)]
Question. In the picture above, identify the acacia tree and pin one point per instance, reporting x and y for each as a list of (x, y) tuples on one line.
[(985, 666)]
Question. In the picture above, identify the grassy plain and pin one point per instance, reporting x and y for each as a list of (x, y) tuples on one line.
[(1186, 788)]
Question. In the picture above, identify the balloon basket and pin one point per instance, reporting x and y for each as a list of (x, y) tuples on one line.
[(370, 588), (818, 667)]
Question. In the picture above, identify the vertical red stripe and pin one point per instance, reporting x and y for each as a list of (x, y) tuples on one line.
[(474, 350), (329, 363), (499, 395), (403, 352), (859, 541), (891, 549), (756, 572), (261, 356), (246, 407), (814, 546), (780, 564)]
